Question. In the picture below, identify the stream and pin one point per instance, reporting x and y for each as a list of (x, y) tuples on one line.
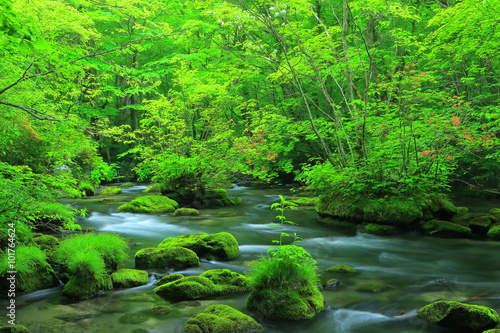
[(396, 275)]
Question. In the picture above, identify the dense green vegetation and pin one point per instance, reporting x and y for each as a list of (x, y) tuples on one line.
[(373, 99)]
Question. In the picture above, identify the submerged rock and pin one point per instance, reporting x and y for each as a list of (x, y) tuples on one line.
[(221, 318), (342, 269), (460, 317), (210, 283), (219, 246), (186, 212), (126, 278), (161, 309), (155, 204)]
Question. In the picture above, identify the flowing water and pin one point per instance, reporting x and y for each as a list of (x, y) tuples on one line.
[(396, 275)]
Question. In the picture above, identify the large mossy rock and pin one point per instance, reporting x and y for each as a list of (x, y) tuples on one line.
[(398, 211), (174, 257), (480, 225), (81, 288), (460, 317), (127, 278), (221, 318), (302, 303), (111, 190), (219, 246), (201, 198), (494, 232), (446, 229), (210, 283), (155, 204)]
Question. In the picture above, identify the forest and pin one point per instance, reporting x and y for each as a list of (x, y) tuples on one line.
[(384, 110)]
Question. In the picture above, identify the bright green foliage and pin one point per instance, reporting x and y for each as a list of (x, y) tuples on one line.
[(92, 254), (110, 190), (33, 271), (221, 318), (286, 267), (280, 207), (150, 204)]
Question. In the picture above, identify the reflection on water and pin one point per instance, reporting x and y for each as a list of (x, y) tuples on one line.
[(396, 275)]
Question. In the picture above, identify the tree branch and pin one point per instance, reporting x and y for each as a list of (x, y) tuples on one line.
[(34, 112)]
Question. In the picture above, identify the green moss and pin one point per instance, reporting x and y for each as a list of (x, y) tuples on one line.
[(460, 316), (150, 204), (14, 329), (168, 278), (161, 310), (209, 284), (172, 257), (480, 224), (126, 278), (106, 200), (152, 188), (462, 210), (342, 269), (127, 185), (111, 190), (495, 330), (446, 229), (33, 271), (46, 243), (186, 212), (298, 304), (81, 288), (379, 229), (219, 198), (494, 232), (220, 246), (495, 214), (221, 318), (303, 201)]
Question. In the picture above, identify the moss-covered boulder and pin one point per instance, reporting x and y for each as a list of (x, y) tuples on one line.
[(219, 246), (200, 198), (155, 204), (167, 257), (152, 188), (129, 184), (168, 278), (186, 212), (81, 288), (210, 283), (495, 330), (394, 210), (301, 303), (341, 269), (445, 229), (221, 318), (460, 317), (480, 225), (111, 190), (494, 232), (127, 278), (14, 329), (495, 214), (380, 229), (219, 198)]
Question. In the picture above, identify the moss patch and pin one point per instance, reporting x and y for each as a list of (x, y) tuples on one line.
[(221, 318), (14, 329), (342, 269), (494, 232), (210, 283), (446, 229), (303, 201), (161, 310), (168, 278), (111, 190), (186, 212), (480, 225), (460, 317), (172, 257), (126, 278), (80, 288), (155, 204), (220, 246), (379, 229)]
